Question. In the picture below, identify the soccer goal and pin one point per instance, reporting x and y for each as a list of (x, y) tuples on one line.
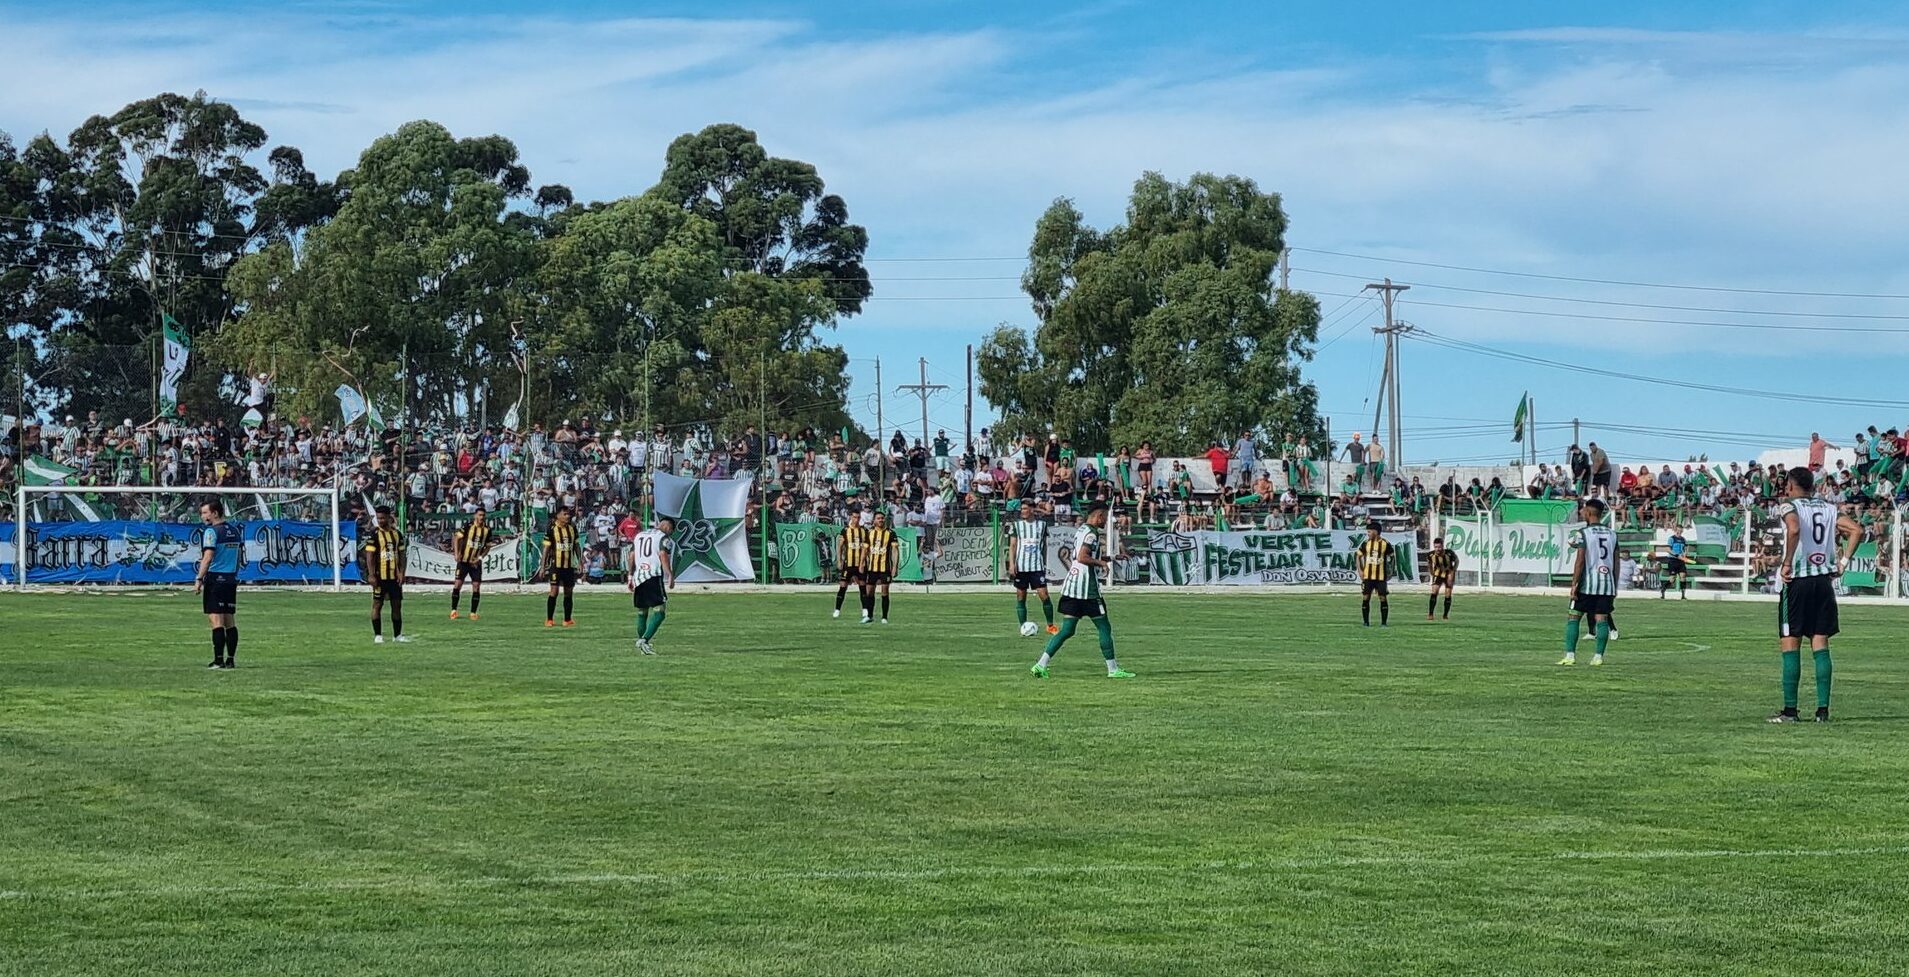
[(137, 535)]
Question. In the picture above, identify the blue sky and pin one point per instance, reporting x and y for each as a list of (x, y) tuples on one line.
[(1732, 146)]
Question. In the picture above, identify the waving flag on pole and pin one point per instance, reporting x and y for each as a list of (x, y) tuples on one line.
[(351, 403), (178, 348), (373, 419), (1518, 419), (41, 470), (510, 417)]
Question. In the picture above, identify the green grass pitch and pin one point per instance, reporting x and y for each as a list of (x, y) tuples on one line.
[(1280, 791)]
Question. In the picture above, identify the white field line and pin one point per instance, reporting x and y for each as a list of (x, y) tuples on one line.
[(952, 872)]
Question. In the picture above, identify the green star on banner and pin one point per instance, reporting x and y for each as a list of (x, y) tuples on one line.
[(708, 539)]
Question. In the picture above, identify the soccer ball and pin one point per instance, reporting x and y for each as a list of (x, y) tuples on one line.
[(1028, 629)]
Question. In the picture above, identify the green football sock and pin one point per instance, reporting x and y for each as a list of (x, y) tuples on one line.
[(642, 622), (1047, 608), (1571, 636), (1603, 635), (1020, 611), (1792, 674), (1822, 675), (1106, 629), (655, 625), (1060, 637)]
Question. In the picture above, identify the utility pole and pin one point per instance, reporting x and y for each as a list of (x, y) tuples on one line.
[(1285, 266), (881, 449), (924, 390), (1389, 381), (1574, 433), (968, 422)]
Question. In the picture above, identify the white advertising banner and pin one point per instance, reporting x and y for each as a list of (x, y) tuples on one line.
[(502, 562), (967, 555), (1513, 547), (1292, 556)]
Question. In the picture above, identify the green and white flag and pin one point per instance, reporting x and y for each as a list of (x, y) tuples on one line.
[(41, 470), (710, 543), (510, 417), (178, 348), (1518, 418), (373, 419), (252, 418)]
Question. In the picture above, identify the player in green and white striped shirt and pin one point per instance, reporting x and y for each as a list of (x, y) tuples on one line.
[(650, 578), (1080, 596), (1811, 564), (1027, 563), (1593, 582)]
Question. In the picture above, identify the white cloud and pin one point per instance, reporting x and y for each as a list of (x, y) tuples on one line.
[(1618, 160)]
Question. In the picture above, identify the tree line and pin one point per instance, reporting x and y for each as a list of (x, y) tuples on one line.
[(435, 273)]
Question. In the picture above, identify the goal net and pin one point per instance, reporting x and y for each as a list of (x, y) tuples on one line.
[(123, 535)]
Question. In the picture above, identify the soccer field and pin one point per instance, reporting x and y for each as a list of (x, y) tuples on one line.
[(1279, 791)]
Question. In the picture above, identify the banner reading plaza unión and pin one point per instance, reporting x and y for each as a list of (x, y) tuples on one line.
[(1292, 556), (1515, 547)]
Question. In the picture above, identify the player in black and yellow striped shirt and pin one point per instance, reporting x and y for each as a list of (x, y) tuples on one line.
[(384, 568), (848, 556), (1374, 559), (880, 555), (469, 547), (562, 558), (1443, 564)]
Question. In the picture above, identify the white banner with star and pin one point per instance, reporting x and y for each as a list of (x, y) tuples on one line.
[(710, 542)]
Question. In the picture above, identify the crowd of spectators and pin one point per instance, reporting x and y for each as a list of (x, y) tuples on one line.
[(600, 470)]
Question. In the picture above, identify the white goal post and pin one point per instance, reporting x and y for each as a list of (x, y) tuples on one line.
[(159, 567)]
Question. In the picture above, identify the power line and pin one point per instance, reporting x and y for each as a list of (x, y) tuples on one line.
[(1607, 281), (1628, 305), (1661, 322), (1441, 341)]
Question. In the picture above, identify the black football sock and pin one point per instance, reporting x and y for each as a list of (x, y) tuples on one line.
[(232, 644), (397, 618), (1448, 607), (474, 596), (377, 625), (1385, 611), (218, 644), (568, 599), (1432, 608), (455, 594), (884, 607), (1365, 610), (550, 607), (841, 594)]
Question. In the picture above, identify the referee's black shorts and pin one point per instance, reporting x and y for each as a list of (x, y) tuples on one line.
[(220, 593), (1807, 608)]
